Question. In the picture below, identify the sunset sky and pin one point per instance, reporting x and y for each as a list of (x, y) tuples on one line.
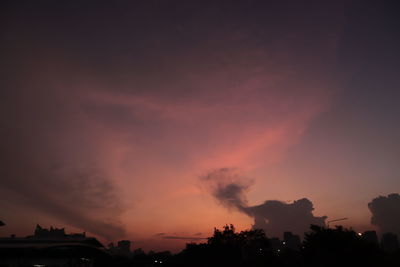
[(113, 111)]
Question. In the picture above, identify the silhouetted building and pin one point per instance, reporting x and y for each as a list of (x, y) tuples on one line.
[(52, 247), (291, 241), (124, 247), (49, 233), (55, 233), (370, 237), (389, 242)]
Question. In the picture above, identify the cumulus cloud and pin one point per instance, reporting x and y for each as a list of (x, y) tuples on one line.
[(276, 217), (386, 213), (229, 187)]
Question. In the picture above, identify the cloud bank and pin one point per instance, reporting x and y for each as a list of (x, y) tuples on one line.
[(386, 213), (51, 162), (229, 187)]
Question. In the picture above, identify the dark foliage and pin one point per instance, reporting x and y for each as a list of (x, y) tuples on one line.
[(322, 247), (339, 247), (230, 248)]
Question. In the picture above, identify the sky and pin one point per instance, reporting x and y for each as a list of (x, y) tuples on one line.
[(136, 119)]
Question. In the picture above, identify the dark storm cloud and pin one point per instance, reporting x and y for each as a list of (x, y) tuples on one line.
[(228, 186), (275, 217), (386, 213), (83, 199), (48, 157)]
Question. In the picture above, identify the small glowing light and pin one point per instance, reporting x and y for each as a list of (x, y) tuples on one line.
[(279, 250), (160, 261), (284, 242), (360, 234), (155, 261)]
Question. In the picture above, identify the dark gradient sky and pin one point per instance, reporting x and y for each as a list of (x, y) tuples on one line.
[(112, 110)]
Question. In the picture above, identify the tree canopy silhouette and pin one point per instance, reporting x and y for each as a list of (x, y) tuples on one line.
[(339, 247), (230, 248)]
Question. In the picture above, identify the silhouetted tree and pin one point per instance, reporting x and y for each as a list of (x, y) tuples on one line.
[(229, 248), (339, 247)]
